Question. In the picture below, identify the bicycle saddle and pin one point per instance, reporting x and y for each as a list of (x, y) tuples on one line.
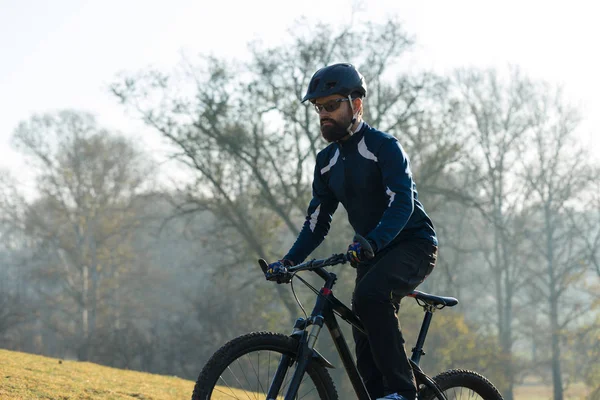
[(433, 299)]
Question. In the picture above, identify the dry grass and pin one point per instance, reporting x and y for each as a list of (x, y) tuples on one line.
[(542, 392), (26, 377)]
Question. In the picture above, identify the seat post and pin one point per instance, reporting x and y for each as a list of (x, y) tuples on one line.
[(417, 351)]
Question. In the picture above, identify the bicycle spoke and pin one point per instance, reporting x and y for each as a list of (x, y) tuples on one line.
[(238, 381), (239, 387), (228, 387), (283, 382), (246, 377), (249, 377), (257, 374), (269, 369), (309, 392), (289, 381), (456, 393)]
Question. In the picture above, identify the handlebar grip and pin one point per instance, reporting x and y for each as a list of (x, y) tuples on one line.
[(263, 265)]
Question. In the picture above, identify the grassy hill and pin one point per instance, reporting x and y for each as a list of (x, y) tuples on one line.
[(26, 376)]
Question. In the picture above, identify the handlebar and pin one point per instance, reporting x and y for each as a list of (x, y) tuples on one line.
[(317, 264), (310, 265), (335, 259)]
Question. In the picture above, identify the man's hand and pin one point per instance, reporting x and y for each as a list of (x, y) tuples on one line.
[(278, 271), (359, 252)]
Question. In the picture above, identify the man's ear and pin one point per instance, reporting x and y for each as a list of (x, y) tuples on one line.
[(357, 103)]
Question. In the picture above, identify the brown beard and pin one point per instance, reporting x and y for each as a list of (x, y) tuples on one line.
[(333, 132)]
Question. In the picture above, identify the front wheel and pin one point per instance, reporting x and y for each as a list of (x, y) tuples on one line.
[(246, 367), (457, 384)]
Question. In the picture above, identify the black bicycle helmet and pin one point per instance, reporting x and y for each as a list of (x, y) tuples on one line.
[(343, 79)]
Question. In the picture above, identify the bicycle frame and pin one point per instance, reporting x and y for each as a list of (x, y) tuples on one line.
[(323, 313)]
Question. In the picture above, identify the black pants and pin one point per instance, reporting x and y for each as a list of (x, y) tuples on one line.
[(380, 285)]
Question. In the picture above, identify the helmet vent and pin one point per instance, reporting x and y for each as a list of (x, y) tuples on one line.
[(314, 85)]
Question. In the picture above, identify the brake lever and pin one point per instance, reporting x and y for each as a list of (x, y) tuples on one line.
[(287, 278)]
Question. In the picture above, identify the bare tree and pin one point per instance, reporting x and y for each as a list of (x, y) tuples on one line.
[(588, 224), (560, 177), (87, 180), (14, 308), (497, 120)]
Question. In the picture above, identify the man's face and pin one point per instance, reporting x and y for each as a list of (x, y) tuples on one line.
[(334, 123)]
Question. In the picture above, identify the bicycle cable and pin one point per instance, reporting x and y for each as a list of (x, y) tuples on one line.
[(296, 296), (311, 287), (314, 289)]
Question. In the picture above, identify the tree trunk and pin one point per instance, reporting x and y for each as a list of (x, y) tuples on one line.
[(94, 289), (503, 293), (554, 325), (506, 341), (556, 367), (83, 349)]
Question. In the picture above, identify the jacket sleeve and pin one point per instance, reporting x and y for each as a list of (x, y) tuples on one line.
[(399, 185), (318, 220)]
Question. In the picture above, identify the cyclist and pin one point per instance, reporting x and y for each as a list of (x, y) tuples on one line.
[(369, 173)]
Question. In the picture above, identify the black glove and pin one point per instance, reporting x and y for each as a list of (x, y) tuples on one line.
[(359, 252), (278, 271)]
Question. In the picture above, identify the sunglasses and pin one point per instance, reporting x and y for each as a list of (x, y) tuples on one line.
[(330, 106)]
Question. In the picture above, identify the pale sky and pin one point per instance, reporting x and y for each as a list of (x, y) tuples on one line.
[(64, 53)]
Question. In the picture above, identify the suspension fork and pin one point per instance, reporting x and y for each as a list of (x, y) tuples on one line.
[(305, 352), (286, 361), (306, 344)]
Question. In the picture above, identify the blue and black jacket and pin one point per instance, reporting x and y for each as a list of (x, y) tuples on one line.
[(370, 175)]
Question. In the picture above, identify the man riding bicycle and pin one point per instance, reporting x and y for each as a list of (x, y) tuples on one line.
[(369, 173)]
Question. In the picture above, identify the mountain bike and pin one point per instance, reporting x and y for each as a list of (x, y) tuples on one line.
[(266, 365)]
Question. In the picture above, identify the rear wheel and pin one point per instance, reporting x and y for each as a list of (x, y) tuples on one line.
[(459, 384), (245, 367)]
